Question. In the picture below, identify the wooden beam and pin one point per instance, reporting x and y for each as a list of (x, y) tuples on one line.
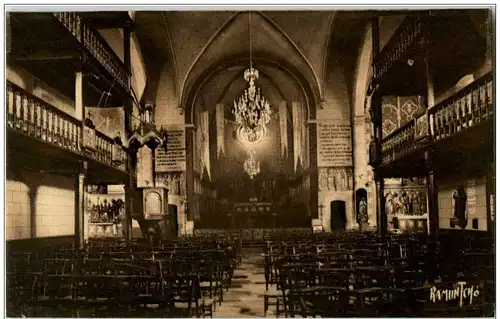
[(43, 56)]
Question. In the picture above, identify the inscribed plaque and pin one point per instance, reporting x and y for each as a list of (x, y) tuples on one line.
[(334, 143)]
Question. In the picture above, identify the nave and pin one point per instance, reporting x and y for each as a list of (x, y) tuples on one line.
[(317, 275)]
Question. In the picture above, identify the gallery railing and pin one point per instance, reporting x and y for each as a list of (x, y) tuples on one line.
[(96, 45), (468, 107), (410, 30), (398, 143), (34, 117)]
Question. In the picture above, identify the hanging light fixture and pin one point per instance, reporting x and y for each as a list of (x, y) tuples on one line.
[(252, 111), (251, 165)]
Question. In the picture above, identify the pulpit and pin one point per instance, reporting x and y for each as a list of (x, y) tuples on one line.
[(154, 217)]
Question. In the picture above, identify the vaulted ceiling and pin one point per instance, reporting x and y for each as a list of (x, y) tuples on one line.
[(295, 50), (200, 44)]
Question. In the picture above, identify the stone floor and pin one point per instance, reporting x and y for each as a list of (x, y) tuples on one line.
[(245, 298)]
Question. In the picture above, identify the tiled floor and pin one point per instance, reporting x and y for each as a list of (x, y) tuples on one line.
[(245, 298)]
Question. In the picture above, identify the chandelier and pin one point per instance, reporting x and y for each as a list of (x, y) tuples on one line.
[(252, 111), (251, 165)]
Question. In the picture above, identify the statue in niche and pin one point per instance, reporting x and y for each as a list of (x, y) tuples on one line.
[(389, 206), (363, 214), (331, 180), (460, 217)]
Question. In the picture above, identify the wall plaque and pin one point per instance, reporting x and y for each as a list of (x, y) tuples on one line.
[(334, 143), (174, 159)]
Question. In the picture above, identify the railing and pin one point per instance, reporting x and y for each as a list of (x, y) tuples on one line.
[(96, 45), (104, 151), (405, 36), (399, 143), (32, 116), (471, 105)]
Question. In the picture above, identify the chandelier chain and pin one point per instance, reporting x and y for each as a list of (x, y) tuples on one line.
[(250, 36)]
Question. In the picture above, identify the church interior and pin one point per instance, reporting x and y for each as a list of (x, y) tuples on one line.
[(334, 163)]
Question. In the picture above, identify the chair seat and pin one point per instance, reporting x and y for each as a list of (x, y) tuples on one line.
[(368, 290), (48, 299), (273, 294), (206, 302)]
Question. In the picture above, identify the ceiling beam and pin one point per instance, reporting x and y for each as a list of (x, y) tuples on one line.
[(43, 56)]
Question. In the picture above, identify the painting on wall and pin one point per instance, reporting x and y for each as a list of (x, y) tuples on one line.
[(399, 110)]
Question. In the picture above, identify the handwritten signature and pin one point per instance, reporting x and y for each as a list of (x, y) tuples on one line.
[(461, 291)]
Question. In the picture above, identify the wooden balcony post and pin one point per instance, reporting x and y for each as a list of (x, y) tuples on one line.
[(433, 212), (381, 217), (131, 188), (432, 197), (79, 104), (80, 206)]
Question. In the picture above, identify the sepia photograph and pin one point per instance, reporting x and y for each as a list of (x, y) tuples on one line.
[(249, 162)]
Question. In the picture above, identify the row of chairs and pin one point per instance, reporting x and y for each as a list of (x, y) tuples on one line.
[(362, 275), (115, 278)]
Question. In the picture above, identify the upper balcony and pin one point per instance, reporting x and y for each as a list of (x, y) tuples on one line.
[(39, 128), (463, 120), (422, 45), (50, 45)]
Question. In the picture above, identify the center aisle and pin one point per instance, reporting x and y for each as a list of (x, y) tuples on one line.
[(245, 297)]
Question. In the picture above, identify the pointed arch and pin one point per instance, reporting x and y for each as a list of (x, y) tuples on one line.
[(277, 27), (271, 33)]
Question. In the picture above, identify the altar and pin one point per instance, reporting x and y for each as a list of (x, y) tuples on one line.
[(252, 215)]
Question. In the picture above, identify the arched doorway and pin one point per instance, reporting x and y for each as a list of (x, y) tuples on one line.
[(362, 208), (338, 218)]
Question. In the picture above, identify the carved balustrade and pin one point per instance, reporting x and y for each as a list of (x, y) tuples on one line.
[(399, 143), (34, 117), (410, 30), (468, 107), (96, 45)]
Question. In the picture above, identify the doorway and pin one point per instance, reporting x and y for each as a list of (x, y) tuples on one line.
[(338, 219)]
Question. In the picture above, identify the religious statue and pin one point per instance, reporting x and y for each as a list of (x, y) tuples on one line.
[(331, 180), (389, 207), (337, 178), (343, 179), (363, 214), (397, 204), (405, 204), (349, 179), (323, 180)]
